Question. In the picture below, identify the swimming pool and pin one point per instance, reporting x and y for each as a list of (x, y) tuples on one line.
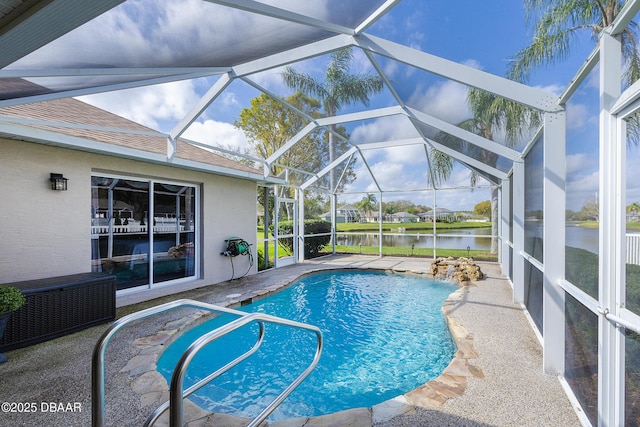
[(384, 335)]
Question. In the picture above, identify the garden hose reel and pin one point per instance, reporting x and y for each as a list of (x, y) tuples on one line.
[(236, 246)]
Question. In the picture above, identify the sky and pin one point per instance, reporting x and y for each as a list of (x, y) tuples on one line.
[(483, 35)]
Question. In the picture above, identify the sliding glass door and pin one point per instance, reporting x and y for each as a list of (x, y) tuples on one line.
[(143, 231)]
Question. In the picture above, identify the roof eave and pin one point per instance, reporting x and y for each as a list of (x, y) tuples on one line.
[(40, 136)]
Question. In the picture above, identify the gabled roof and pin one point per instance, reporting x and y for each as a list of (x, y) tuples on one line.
[(348, 208), (404, 215), (60, 116)]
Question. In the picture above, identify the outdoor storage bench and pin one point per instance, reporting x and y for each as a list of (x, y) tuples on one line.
[(58, 306)]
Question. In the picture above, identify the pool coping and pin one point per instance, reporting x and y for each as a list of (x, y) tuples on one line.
[(152, 387)]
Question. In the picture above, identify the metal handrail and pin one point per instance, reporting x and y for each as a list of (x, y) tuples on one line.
[(195, 387), (176, 396)]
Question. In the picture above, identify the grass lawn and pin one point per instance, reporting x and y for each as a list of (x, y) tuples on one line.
[(423, 227), (595, 224), (408, 226), (417, 252)]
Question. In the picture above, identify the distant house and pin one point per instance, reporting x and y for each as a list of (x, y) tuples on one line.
[(346, 213), (374, 216), (402, 217), (441, 214)]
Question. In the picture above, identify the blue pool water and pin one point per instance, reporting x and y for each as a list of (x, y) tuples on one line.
[(384, 335)]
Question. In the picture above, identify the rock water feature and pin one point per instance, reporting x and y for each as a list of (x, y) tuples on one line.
[(456, 270)]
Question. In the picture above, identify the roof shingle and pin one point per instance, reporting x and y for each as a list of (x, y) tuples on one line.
[(102, 126)]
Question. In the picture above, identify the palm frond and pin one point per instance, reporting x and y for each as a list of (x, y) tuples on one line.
[(544, 50), (557, 24), (441, 167), (303, 83), (340, 64)]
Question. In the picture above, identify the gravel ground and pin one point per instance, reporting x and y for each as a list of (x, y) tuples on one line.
[(49, 384)]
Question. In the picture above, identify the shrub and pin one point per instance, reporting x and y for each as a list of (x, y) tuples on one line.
[(312, 245), (11, 299)]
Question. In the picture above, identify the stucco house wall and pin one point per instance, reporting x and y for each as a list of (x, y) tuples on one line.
[(47, 233)]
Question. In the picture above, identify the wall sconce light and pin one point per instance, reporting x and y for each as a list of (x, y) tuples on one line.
[(58, 182)]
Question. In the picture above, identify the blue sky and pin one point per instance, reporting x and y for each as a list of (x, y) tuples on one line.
[(479, 34)]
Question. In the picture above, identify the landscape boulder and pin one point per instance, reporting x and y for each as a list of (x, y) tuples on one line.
[(456, 270)]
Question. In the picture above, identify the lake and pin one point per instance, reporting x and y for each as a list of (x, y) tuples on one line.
[(475, 238)]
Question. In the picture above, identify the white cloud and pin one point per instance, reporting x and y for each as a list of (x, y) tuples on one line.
[(555, 89), (447, 101), (578, 116), (149, 105), (391, 68), (219, 134), (463, 199), (229, 100), (472, 63), (153, 33), (579, 163), (272, 80), (580, 189), (406, 155), (384, 129)]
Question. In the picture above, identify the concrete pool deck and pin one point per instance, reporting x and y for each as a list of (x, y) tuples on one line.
[(495, 380)]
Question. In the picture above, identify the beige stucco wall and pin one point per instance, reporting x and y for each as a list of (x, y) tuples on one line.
[(47, 233)]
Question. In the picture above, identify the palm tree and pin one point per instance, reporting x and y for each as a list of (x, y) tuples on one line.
[(489, 115), (558, 22), (634, 208), (339, 88), (367, 203)]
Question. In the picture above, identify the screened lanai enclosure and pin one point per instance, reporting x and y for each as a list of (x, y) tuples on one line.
[(565, 189)]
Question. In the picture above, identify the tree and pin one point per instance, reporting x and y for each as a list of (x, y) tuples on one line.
[(367, 203), (269, 124), (314, 206), (634, 208), (490, 114), (590, 210), (338, 89), (483, 209), (557, 23)]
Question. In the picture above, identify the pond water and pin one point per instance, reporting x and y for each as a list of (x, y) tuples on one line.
[(475, 238), (582, 238)]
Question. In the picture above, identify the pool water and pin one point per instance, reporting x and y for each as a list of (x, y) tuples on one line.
[(384, 335)]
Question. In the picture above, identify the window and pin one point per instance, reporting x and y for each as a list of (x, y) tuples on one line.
[(143, 232)]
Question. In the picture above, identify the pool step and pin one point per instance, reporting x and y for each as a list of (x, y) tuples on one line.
[(176, 404)]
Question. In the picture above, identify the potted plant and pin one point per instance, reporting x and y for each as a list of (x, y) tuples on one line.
[(11, 299)]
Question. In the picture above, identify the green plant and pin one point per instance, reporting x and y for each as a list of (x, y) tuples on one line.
[(11, 299), (312, 244)]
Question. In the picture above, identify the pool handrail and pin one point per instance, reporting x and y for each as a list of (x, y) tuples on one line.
[(176, 395), (176, 402), (195, 387)]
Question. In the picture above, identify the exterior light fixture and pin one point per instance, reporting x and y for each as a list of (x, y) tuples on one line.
[(58, 182)]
